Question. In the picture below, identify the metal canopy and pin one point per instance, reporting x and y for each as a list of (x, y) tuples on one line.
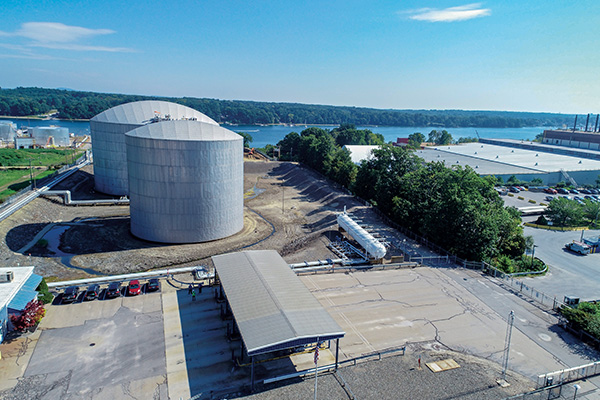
[(271, 306)]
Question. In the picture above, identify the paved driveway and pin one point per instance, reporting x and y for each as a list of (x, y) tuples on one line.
[(570, 273)]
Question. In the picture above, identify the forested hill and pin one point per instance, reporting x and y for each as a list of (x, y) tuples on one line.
[(84, 105)]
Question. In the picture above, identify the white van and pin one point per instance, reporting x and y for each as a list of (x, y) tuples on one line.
[(578, 247)]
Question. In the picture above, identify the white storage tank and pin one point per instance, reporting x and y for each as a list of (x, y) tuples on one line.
[(108, 137), (50, 136), (185, 181), (373, 247), (8, 131)]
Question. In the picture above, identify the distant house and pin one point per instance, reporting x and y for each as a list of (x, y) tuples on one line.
[(401, 142), (17, 288), (360, 152)]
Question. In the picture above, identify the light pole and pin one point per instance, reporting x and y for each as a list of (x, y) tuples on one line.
[(511, 319), (533, 254), (576, 387)]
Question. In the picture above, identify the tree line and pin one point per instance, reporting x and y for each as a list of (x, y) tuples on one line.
[(453, 207), (72, 104)]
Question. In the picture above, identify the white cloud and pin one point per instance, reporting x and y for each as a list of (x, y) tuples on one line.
[(54, 35), (79, 47), (451, 14), (55, 32)]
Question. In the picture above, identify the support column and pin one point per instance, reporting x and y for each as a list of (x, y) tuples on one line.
[(337, 351), (252, 376)]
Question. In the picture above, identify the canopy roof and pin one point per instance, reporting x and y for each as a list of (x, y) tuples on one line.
[(271, 306)]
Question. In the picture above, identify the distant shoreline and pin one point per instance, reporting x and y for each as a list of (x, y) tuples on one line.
[(38, 118)]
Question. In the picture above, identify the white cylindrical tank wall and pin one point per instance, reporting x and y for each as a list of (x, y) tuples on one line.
[(372, 246), (42, 134), (8, 131), (185, 182), (108, 137)]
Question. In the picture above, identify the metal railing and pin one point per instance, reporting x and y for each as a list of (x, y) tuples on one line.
[(569, 375)]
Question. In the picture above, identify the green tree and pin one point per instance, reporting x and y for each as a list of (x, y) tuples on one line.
[(564, 212), (290, 146), (440, 137), (341, 168), (536, 182), (247, 138), (415, 139), (378, 178)]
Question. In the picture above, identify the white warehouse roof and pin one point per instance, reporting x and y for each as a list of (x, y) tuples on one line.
[(142, 112)]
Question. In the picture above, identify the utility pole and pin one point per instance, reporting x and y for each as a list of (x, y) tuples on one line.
[(511, 319)]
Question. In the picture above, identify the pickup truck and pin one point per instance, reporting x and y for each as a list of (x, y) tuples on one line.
[(578, 247)]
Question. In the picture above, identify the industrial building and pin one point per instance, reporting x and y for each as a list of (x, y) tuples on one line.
[(572, 138), (17, 288), (108, 137), (525, 160), (185, 181), (45, 136)]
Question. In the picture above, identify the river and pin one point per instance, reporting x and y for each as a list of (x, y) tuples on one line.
[(263, 135)]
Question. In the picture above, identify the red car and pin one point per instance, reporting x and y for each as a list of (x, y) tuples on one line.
[(134, 288)]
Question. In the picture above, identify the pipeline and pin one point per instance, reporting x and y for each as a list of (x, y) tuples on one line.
[(69, 202), (307, 264), (124, 277)]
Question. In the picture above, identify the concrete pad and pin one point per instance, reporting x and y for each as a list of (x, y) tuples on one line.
[(391, 308), (174, 351), (15, 357), (65, 315)]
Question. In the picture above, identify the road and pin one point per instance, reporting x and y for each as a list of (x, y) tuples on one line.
[(569, 274), (34, 194)]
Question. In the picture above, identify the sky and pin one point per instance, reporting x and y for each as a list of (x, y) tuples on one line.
[(497, 55)]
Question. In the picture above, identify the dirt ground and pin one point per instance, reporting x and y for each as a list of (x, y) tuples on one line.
[(288, 208)]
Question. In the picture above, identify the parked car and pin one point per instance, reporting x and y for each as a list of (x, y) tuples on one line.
[(70, 294), (578, 198), (134, 288), (585, 191), (551, 191), (92, 292), (114, 290), (521, 188), (574, 191), (153, 285), (595, 191), (548, 198), (562, 191), (513, 189)]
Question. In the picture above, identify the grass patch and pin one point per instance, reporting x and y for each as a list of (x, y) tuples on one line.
[(517, 265), (38, 157)]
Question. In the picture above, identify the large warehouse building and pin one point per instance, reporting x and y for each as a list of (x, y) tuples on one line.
[(108, 137), (185, 181)]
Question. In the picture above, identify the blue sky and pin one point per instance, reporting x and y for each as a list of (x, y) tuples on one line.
[(500, 55)]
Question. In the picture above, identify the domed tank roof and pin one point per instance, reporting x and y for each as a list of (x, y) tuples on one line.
[(184, 130), (144, 112)]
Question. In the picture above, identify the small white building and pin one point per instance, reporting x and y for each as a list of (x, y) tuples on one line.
[(17, 288), (360, 152)]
